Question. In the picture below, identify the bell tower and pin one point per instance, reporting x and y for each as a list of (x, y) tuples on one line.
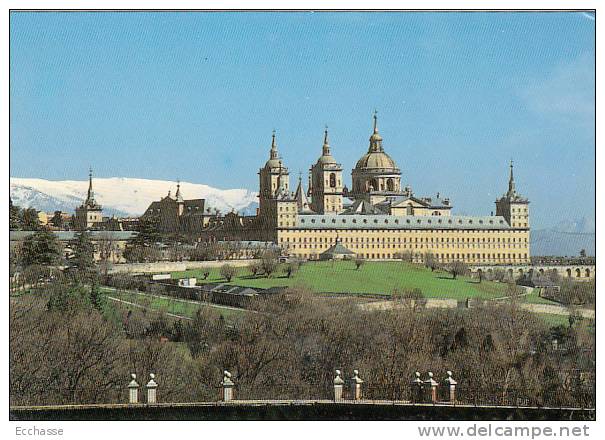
[(274, 179), (326, 182)]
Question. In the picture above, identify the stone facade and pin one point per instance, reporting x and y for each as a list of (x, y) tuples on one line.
[(378, 218)]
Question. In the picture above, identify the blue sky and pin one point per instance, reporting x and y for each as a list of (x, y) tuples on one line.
[(195, 96)]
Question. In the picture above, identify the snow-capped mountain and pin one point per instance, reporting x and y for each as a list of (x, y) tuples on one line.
[(123, 196)]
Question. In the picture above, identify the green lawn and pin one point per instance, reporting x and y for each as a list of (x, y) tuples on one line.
[(372, 277), (534, 298), (168, 305)]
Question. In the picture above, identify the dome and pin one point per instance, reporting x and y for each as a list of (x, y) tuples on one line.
[(273, 163), (376, 159), (326, 160), (326, 157), (274, 160)]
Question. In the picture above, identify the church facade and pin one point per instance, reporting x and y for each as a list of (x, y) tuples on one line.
[(377, 218)]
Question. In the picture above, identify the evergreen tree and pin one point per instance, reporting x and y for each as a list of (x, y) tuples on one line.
[(148, 234), (29, 219), (84, 252), (97, 300), (14, 216), (57, 220), (42, 248)]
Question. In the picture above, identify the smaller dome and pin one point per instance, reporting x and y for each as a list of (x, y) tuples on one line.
[(326, 160), (273, 163), (326, 157)]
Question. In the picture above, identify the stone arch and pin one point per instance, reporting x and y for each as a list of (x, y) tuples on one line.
[(578, 273), (587, 272), (568, 272)]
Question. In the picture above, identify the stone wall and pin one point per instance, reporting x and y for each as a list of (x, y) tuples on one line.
[(298, 410), (169, 266)]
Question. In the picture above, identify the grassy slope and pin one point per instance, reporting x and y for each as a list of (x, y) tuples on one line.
[(372, 277), (168, 305)]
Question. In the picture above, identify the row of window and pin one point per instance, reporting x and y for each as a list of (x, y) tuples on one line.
[(405, 240), (408, 221), (499, 258)]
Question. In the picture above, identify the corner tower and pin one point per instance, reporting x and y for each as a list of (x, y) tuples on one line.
[(326, 182), (512, 206)]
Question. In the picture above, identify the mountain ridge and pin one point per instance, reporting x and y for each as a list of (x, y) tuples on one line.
[(123, 196)]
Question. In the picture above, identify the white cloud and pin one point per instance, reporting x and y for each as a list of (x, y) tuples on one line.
[(568, 92)]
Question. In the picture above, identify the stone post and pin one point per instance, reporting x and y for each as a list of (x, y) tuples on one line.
[(228, 385), (449, 380), (432, 386), (338, 385), (133, 390), (356, 385), (151, 389), (417, 388)]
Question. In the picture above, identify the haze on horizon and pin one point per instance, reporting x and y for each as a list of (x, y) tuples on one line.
[(195, 96)]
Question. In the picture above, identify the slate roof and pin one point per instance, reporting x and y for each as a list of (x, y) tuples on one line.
[(337, 249), (360, 221)]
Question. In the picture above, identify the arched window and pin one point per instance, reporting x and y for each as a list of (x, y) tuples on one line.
[(578, 273), (390, 184), (332, 180), (587, 273), (569, 273)]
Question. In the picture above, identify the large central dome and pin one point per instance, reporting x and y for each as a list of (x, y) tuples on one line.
[(376, 171), (376, 160)]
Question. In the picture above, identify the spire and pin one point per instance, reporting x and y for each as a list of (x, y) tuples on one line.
[(375, 121), (274, 153), (178, 196), (375, 139), (511, 181), (302, 203), (326, 146), (91, 195)]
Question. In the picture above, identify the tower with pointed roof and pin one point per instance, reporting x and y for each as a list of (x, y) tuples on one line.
[(89, 215), (302, 202), (274, 179), (512, 205), (326, 182), (277, 206)]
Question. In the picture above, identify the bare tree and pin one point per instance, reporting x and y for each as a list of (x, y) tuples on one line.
[(228, 272), (457, 268)]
